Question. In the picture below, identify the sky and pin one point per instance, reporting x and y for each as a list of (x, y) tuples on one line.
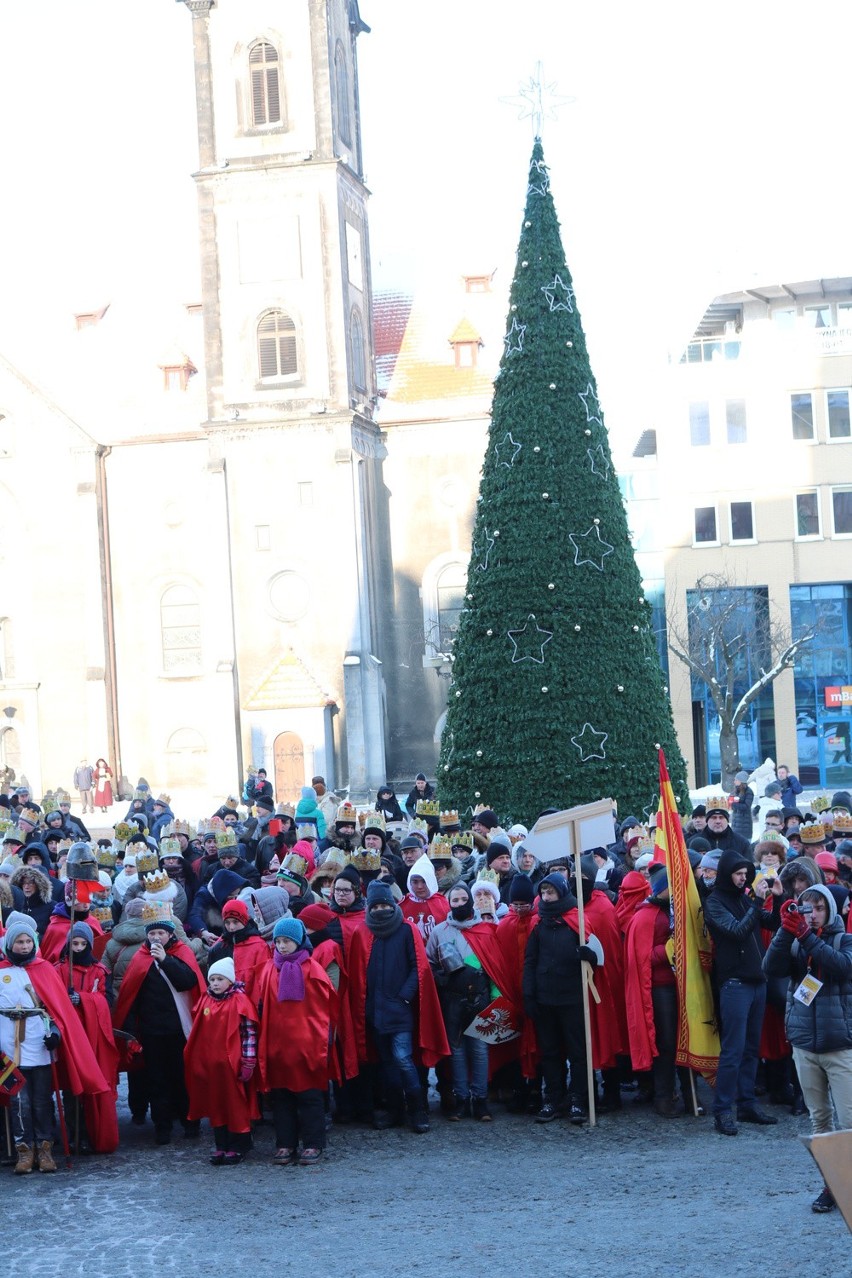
[(705, 150)]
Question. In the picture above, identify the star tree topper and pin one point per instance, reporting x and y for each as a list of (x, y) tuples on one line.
[(537, 101)]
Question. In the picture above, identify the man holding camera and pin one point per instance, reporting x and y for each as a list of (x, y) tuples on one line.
[(813, 949), (735, 917)]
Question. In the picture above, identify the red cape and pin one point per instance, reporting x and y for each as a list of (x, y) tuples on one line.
[(513, 932), (56, 935), (638, 943), (430, 1039), (101, 1119), (425, 914), (608, 1020), (295, 1037), (250, 958), (212, 1060), (634, 889), (75, 1056), (349, 925), (137, 970), (345, 1055)]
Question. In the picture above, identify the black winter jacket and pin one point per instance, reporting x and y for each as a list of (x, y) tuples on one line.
[(552, 973), (392, 982), (734, 921), (825, 1025)]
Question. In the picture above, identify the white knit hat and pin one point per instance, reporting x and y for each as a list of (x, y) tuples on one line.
[(224, 967)]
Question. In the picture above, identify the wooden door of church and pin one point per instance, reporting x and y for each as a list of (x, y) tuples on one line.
[(289, 757)]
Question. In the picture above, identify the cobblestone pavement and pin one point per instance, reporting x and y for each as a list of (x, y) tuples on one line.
[(637, 1197)]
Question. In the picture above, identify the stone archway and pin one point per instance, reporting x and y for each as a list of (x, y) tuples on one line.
[(288, 753)]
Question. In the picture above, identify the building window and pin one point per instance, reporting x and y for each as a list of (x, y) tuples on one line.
[(706, 525), (477, 283), (699, 425), (450, 587), (176, 376), (802, 414), (180, 627), (735, 417), (784, 319), (818, 316), (807, 515), (265, 86), (837, 411), (742, 521), (276, 346), (358, 352), (841, 506), (341, 85)]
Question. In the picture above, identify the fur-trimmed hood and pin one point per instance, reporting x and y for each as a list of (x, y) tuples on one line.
[(43, 882)]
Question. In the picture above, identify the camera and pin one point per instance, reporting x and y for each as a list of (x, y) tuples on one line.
[(805, 908)]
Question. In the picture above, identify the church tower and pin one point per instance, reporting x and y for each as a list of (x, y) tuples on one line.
[(289, 372)]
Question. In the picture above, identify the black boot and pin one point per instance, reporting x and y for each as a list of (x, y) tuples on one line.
[(393, 1115), (418, 1119)]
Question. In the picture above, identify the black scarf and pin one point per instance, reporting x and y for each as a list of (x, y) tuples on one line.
[(385, 924)]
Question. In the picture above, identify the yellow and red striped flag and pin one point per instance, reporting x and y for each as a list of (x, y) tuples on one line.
[(697, 1032)]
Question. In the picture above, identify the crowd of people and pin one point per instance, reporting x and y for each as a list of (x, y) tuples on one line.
[(311, 964)]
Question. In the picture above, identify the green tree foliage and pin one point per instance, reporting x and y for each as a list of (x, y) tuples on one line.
[(557, 696)]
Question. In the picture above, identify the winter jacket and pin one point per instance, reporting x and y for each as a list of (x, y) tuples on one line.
[(825, 1025), (414, 795), (206, 912), (388, 804), (39, 906), (727, 840), (734, 921), (552, 973), (56, 887), (392, 983), (741, 818), (125, 940), (464, 989), (246, 871), (308, 812), (792, 788)]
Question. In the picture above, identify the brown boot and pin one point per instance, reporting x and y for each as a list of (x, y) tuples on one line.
[(26, 1157), (45, 1156)]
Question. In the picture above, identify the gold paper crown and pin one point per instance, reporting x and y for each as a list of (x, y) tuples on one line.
[(285, 809), (428, 808), (480, 807), (124, 831), (165, 799), (365, 860), (418, 826), (842, 821), (157, 881), (65, 845), (5, 824), (175, 828), (449, 818), (157, 912), (821, 803), (646, 844), (489, 876), (440, 849), (717, 802), (226, 839), (210, 825), (813, 832), (375, 821), (296, 864), (62, 796), (103, 914), (333, 862), (105, 857), (29, 814), (232, 803), (773, 836), (346, 814), (170, 847), (463, 839), (146, 859), (49, 803)]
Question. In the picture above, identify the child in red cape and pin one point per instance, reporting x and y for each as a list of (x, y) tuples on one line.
[(28, 984), (86, 982), (299, 1012), (241, 941), (220, 1058)]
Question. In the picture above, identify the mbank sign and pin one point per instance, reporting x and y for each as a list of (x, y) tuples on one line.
[(839, 696)]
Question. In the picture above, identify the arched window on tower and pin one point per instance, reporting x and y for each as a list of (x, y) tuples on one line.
[(341, 88), (180, 628), (277, 352), (265, 84), (358, 350)]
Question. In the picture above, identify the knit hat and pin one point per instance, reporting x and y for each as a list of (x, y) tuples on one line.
[(487, 818), (699, 845), (421, 776), (379, 893), (224, 967), (351, 875), (710, 861), (225, 883), (292, 928), (741, 777), (18, 925), (521, 889), (826, 861), (308, 792), (699, 810), (659, 878), (411, 841), (236, 910), (518, 831), (486, 885), (841, 799), (83, 931), (643, 861), (316, 917), (265, 802), (166, 921), (500, 844)]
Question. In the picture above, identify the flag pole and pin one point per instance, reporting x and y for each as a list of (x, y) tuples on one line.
[(586, 974)]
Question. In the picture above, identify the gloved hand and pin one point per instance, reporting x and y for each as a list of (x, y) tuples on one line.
[(52, 1038), (794, 922), (246, 1069), (588, 955), (75, 998)]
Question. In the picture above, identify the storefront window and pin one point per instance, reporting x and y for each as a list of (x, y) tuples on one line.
[(823, 684)]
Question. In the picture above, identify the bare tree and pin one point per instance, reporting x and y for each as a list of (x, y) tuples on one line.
[(736, 642)]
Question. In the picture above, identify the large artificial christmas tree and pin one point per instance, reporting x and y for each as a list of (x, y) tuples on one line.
[(557, 695)]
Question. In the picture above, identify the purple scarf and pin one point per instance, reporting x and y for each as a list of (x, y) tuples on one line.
[(291, 978)]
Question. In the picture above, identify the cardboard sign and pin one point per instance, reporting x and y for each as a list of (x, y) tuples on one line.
[(590, 825)]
